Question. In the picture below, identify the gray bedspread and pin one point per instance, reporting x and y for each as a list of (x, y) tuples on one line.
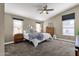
[(33, 36)]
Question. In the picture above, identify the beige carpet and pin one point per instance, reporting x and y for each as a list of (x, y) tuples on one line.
[(48, 48)]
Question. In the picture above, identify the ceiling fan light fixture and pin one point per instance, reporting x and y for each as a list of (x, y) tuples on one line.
[(45, 10)]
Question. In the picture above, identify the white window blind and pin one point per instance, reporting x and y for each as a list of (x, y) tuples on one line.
[(68, 24), (38, 27), (17, 26), (68, 27)]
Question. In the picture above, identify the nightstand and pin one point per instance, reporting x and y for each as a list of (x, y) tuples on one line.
[(18, 38)]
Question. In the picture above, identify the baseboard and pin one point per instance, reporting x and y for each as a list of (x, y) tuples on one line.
[(65, 40), (9, 42)]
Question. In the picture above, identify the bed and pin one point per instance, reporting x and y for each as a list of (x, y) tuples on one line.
[(37, 37)]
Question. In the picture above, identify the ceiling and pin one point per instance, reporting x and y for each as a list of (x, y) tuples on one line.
[(30, 10)]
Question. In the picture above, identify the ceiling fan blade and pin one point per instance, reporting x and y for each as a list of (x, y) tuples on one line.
[(39, 9), (50, 9)]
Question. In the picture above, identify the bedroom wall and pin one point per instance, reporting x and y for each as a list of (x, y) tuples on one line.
[(56, 22), (9, 25), (1, 29)]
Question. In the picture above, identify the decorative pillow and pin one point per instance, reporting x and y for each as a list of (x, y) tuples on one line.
[(30, 30)]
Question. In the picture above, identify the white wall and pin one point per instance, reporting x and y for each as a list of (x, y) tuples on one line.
[(56, 22), (1, 29), (9, 25)]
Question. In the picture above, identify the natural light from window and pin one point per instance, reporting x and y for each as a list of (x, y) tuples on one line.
[(17, 26), (38, 27), (68, 27)]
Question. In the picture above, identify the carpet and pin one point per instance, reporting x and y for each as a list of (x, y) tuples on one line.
[(48, 48)]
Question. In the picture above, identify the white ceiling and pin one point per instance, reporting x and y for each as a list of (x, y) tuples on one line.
[(30, 10)]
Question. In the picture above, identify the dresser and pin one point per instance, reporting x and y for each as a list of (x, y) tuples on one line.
[(50, 30), (18, 38)]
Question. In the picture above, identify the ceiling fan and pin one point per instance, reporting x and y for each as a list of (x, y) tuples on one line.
[(44, 9)]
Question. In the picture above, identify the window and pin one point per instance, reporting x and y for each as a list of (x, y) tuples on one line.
[(68, 24), (17, 26), (38, 27), (68, 27)]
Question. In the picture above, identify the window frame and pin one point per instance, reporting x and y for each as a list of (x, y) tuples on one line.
[(68, 17), (13, 25), (40, 27), (63, 27)]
